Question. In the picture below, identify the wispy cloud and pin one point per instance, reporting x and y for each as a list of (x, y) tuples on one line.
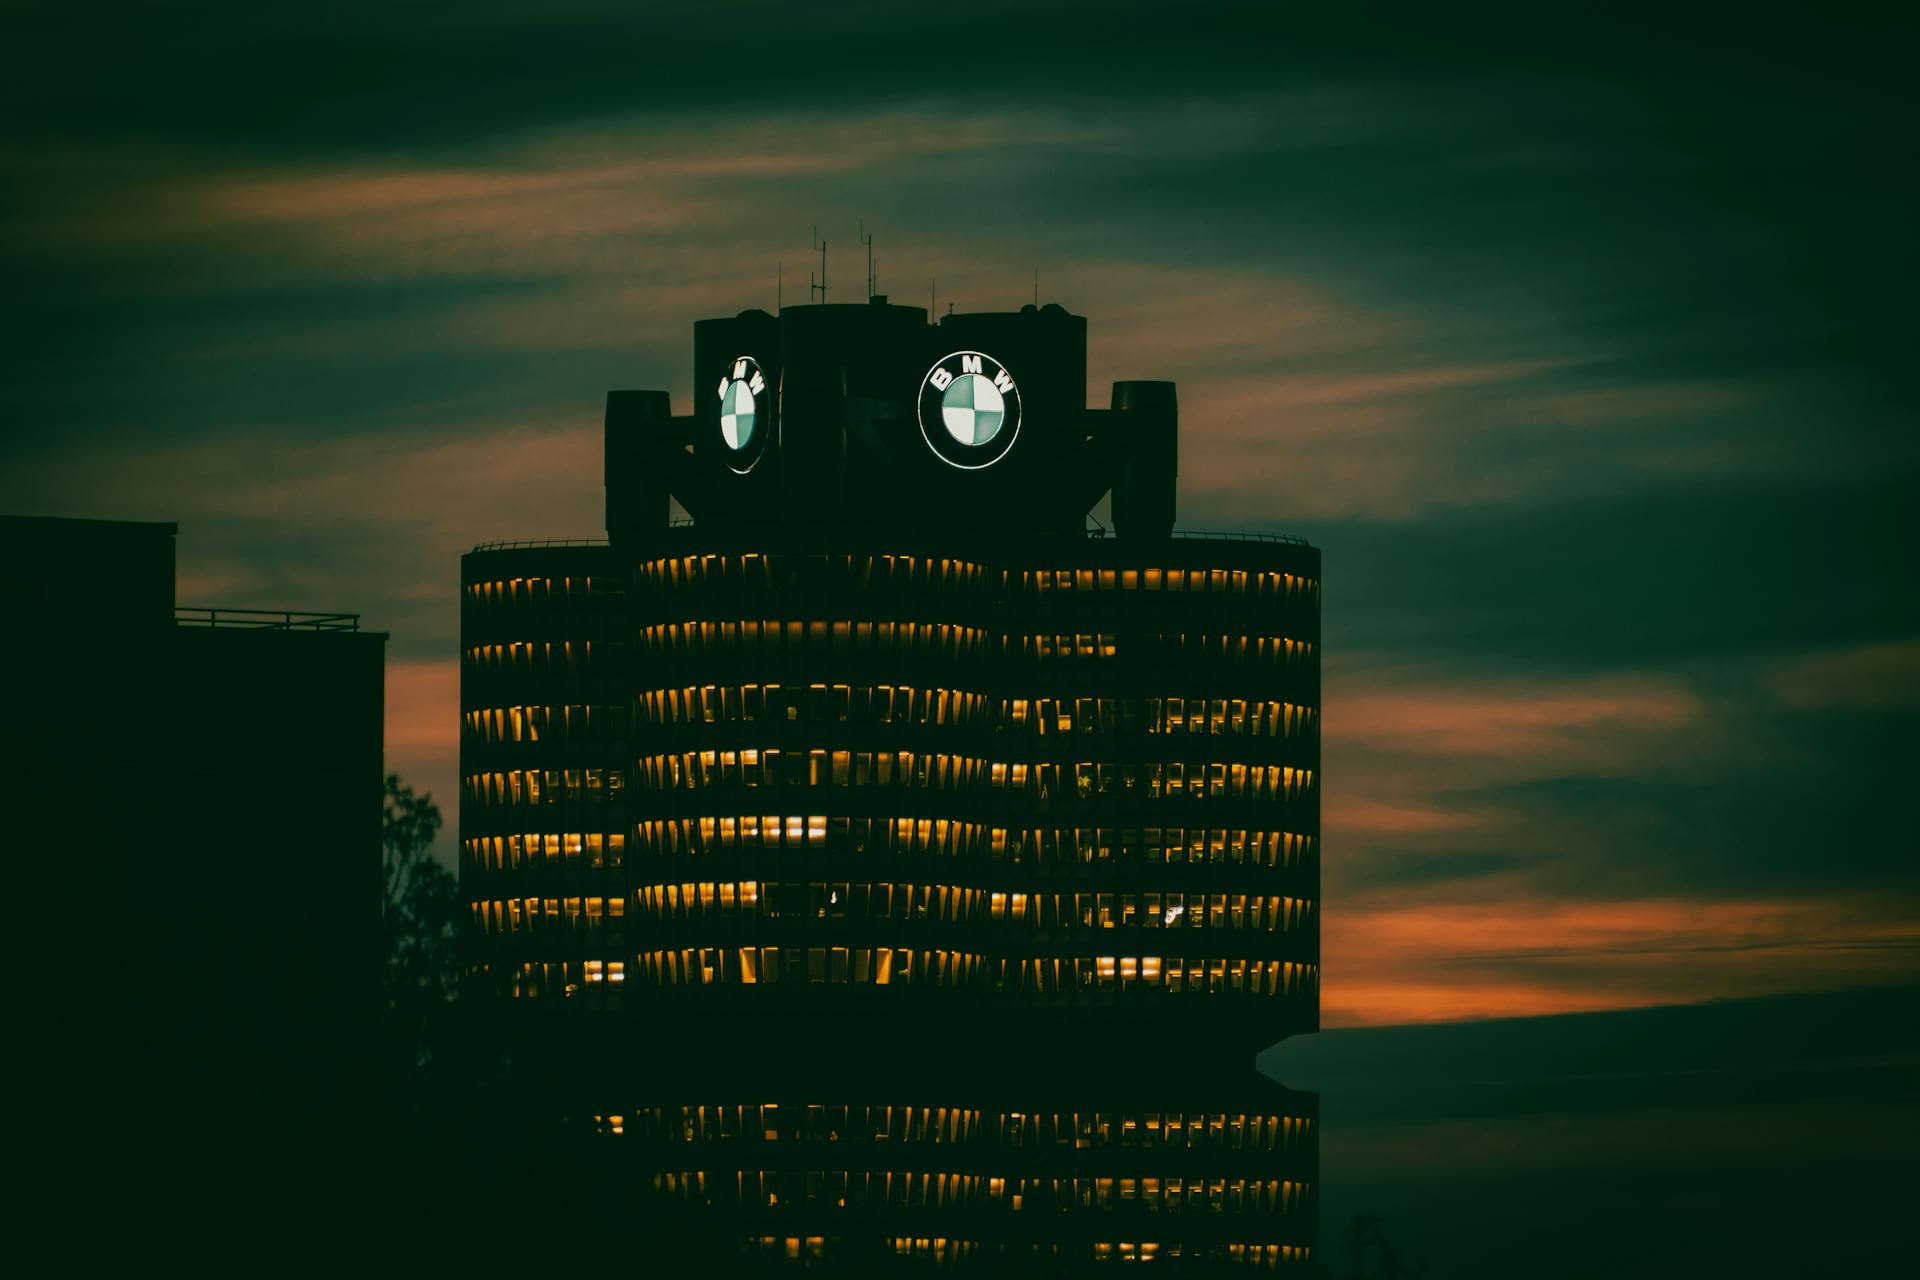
[(1581, 369), (1538, 956)]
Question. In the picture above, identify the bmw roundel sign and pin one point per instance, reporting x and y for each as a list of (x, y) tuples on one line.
[(745, 412), (969, 410)]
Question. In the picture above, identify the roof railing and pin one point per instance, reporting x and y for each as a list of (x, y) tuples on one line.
[(1240, 535), (521, 543), (265, 619), (1094, 530), (518, 543)]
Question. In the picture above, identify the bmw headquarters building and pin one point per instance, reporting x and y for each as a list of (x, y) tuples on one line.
[(902, 872)]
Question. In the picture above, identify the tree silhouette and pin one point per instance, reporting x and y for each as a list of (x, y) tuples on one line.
[(1371, 1255), (420, 916)]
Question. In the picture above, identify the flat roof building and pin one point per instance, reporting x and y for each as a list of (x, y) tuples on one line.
[(198, 793), (901, 869)]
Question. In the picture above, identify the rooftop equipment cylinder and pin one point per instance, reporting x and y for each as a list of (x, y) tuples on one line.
[(639, 434), (1143, 497)]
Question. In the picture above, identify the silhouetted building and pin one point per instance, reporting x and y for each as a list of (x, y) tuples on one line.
[(900, 869), (201, 789)]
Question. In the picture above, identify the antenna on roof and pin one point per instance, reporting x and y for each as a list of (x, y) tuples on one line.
[(818, 286), (867, 240), (779, 286), (933, 291), (1036, 286)]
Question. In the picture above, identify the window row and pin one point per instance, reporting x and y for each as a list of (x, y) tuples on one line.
[(547, 915), (563, 979), (942, 641), (1077, 1129), (1128, 1251), (1161, 648), (772, 767), (590, 849), (802, 572), (940, 1249), (1151, 845), (1158, 648), (1237, 649), (544, 786), (907, 966), (952, 642), (1277, 588), (909, 573), (531, 658), (1085, 779), (1255, 717), (939, 836), (1044, 646), (913, 1189), (726, 900), (949, 837), (891, 704), (1256, 1255), (877, 704), (769, 1188), (1042, 976), (880, 966), (811, 1122), (572, 722), (943, 1251), (940, 771), (544, 592), (794, 1248)]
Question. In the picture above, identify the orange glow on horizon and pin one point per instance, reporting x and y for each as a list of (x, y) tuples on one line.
[(1534, 957)]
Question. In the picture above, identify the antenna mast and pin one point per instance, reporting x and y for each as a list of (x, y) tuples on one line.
[(867, 240), (818, 286)]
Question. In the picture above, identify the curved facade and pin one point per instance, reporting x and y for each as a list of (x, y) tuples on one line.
[(1076, 788), (544, 707), (894, 889), (871, 1171)]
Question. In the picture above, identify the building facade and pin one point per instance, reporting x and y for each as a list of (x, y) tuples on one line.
[(901, 872), (200, 789)]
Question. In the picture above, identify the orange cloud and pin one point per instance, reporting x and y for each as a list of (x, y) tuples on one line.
[(1508, 718), (1350, 814), (1530, 956)]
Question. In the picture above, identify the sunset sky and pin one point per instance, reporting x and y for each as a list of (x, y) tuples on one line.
[(1582, 352)]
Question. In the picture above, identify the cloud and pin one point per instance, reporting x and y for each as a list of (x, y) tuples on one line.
[(1870, 677), (1517, 718), (1580, 358), (1527, 957), (1521, 844)]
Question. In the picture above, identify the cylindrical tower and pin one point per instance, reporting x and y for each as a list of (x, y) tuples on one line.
[(894, 873), (544, 702), (877, 1170), (1064, 787)]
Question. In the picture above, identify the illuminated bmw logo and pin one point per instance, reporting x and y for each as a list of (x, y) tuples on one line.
[(743, 411), (969, 409)]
